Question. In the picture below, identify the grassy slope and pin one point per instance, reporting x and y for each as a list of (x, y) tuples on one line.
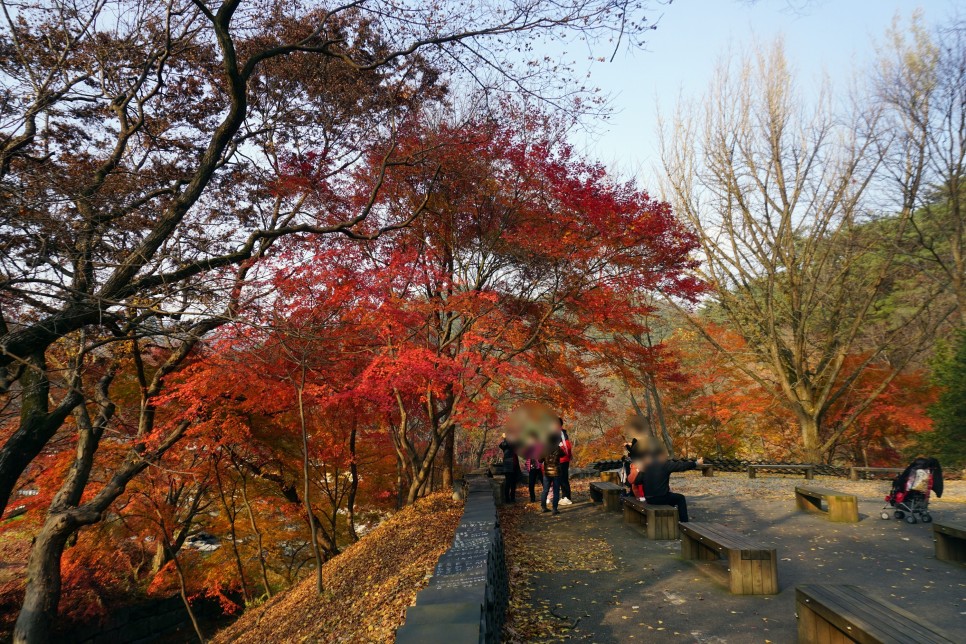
[(367, 587)]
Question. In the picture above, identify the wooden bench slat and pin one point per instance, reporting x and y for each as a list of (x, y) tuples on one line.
[(866, 618), (723, 537), (958, 531), (605, 485), (822, 492)]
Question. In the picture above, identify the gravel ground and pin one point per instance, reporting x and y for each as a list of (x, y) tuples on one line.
[(650, 594), (777, 486)]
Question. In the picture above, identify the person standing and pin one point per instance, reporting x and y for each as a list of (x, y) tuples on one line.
[(511, 470), (533, 470), (551, 473), (567, 454)]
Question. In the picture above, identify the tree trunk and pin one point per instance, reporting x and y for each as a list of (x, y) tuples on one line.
[(479, 452), (400, 486), (810, 438), (37, 425), (42, 596), (183, 591), (660, 418), (258, 539), (353, 485), (449, 453), (307, 491), (232, 513)]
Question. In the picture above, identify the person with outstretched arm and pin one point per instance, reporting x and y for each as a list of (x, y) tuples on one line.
[(656, 479)]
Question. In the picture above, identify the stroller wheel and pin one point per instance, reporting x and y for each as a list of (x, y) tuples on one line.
[(911, 519), (885, 515), (899, 514), (926, 517)]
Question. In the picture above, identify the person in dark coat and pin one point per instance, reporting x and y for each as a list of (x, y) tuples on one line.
[(551, 472), (533, 470), (511, 470), (656, 479)]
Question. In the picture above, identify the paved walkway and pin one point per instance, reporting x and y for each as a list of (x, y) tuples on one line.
[(652, 595)]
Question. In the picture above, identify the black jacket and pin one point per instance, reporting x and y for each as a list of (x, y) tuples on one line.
[(656, 477), (510, 460)]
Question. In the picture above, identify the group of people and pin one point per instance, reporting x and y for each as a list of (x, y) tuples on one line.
[(545, 461), (646, 473)]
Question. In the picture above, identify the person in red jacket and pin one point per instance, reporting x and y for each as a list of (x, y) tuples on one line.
[(567, 450)]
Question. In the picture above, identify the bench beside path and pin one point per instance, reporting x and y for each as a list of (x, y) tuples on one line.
[(809, 470), (752, 567), (607, 493), (659, 521), (834, 614), (840, 507)]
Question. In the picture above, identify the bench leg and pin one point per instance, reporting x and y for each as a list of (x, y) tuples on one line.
[(843, 510), (632, 516), (807, 503), (813, 629), (689, 547), (662, 526), (949, 548), (612, 500), (596, 496), (752, 576)]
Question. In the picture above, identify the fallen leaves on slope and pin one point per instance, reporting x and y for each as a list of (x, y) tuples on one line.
[(367, 588)]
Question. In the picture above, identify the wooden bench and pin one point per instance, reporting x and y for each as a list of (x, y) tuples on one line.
[(707, 469), (659, 521), (608, 493), (841, 508), (611, 476), (842, 614), (808, 469), (855, 473), (752, 567), (950, 541)]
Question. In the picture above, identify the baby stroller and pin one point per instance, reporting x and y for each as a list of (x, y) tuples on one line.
[(909, 497)]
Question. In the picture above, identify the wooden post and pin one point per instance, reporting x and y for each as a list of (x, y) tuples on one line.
[(751, 472), (853, 474)]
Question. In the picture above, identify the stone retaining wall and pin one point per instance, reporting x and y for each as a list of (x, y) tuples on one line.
[(466, 599)]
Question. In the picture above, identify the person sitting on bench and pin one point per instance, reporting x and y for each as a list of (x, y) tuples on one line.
[(656, 479)]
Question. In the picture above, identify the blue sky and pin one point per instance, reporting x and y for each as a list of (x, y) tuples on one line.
[(836, 36)]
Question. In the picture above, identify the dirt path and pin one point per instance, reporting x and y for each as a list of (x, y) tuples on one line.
[(586, 576)]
